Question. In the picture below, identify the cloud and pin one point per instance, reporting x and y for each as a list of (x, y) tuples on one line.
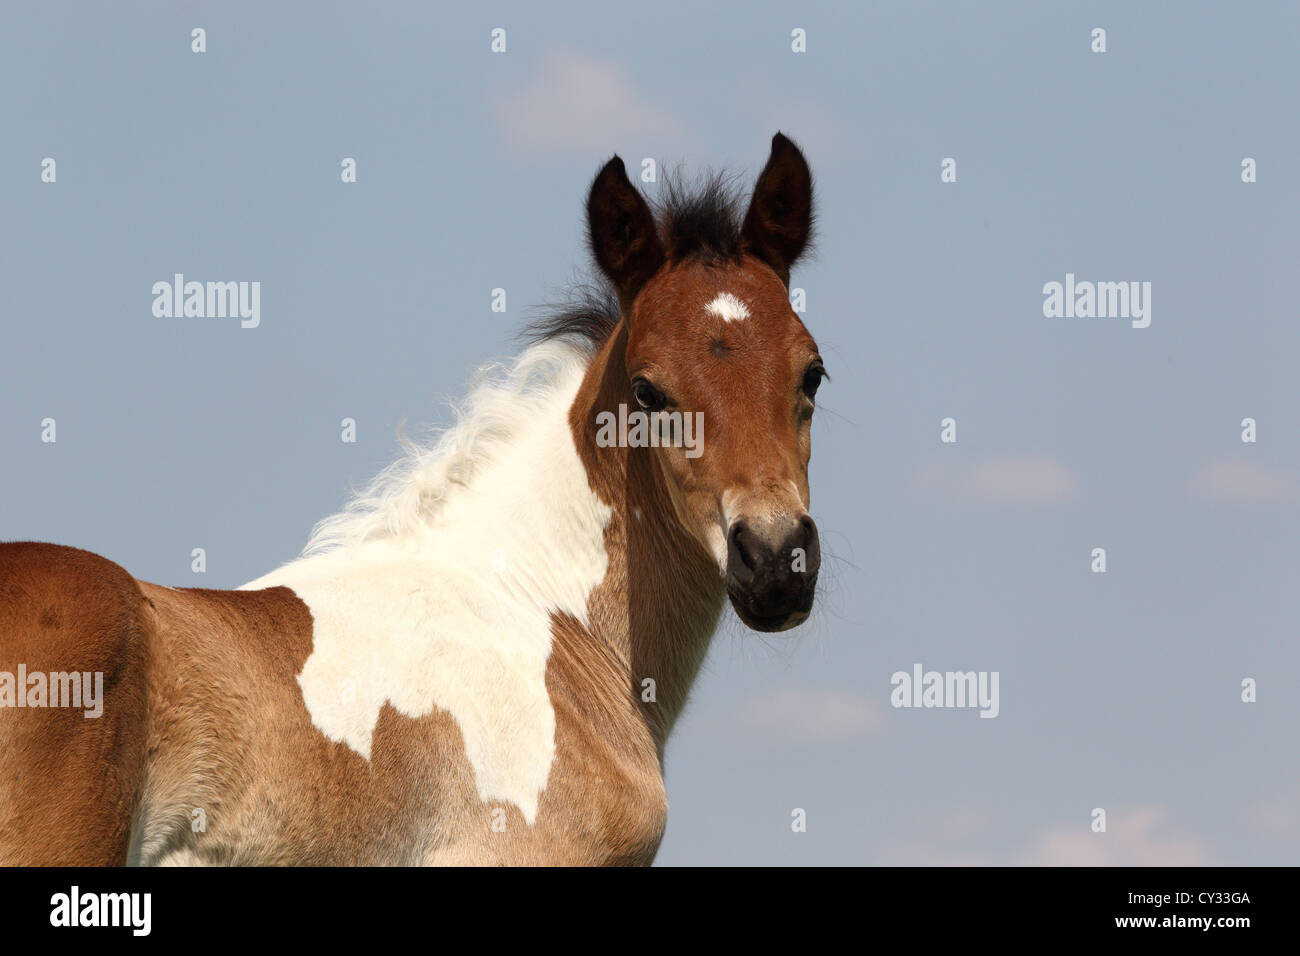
[(1238, 481), (1278, 816), (964, 823), (579, 104), (804, 715), (1015, 480), (1133, 837)]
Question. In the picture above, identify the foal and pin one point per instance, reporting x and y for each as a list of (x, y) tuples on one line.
[(480, 660)]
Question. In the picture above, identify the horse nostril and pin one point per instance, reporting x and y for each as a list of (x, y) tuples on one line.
[(743, 546), (805, 539), (807, 528)]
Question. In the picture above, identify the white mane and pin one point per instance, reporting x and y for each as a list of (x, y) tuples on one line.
[(504, 400)]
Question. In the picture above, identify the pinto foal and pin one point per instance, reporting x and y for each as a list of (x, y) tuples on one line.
[(480, 659)]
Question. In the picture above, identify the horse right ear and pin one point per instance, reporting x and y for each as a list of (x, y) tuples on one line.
[(621, 231)]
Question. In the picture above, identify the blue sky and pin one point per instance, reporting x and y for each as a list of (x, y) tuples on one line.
[(1119, 690)]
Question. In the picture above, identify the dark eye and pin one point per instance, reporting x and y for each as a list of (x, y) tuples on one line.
[(647, 396), (812, 379)]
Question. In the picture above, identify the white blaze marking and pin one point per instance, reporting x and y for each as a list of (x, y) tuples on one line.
[(426, 621), (727, 307)]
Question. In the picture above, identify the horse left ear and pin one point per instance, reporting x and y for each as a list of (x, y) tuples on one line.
[(780, 218)]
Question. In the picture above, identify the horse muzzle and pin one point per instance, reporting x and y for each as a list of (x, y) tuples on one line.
[(772, 572)]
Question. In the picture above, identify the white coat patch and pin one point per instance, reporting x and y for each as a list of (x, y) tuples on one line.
[(456, 613), (727, 307)]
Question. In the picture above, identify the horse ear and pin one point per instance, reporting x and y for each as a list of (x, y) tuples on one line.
[(780, 218), (621, 231)]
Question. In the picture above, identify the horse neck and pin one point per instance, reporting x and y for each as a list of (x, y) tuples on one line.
[(662, 595)]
